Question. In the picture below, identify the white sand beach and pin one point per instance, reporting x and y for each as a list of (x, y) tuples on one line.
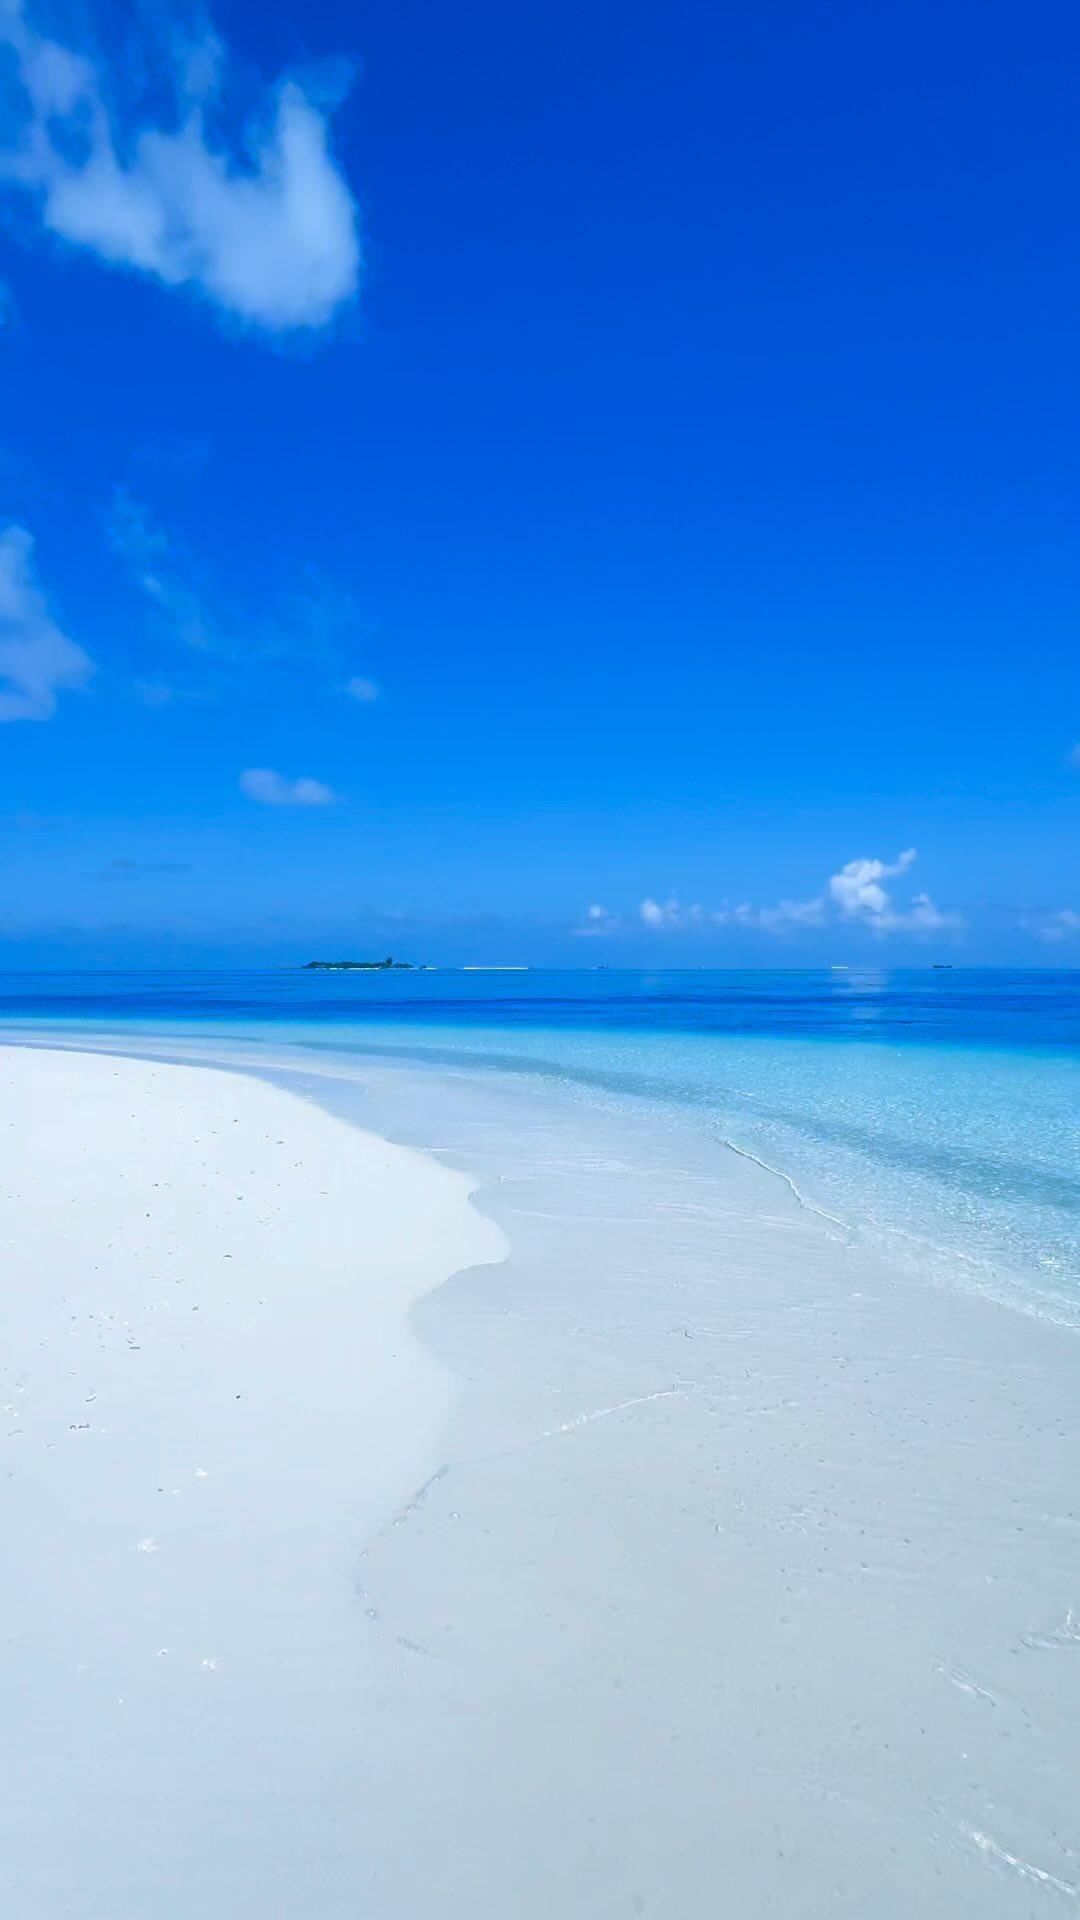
[(685, 1560), (211, 1398)]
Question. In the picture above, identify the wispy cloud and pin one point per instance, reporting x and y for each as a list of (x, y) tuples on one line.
[(181, 456), (163, 573), (854, 896), (153, 693), (309, 631), (781, 918), (274, 790), (324, 623), (37, 659), (1062, 924), (922, 916), (25, 821), (596, 922), (1073, 755), (129, 869), (360, 689), (261, 225), (670, 913)]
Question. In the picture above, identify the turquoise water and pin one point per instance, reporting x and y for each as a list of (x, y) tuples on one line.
[(933, 1115)]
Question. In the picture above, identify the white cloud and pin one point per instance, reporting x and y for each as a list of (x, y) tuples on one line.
[(793, 913), (924, 917), (596, 923), (264, 228), (787, 913), (854, 896), (859, 895), (778, 919), (360, 689), (857, 888), (274, 790), (37, 660), (670, 913), (1060, 925)]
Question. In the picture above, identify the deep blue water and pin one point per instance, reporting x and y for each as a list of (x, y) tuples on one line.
[(935, 1113), (954, 1007)]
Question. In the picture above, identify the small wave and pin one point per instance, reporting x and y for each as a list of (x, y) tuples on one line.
[(984, 1277), (1056, 1638), (1024, 1868), (778, 1173)]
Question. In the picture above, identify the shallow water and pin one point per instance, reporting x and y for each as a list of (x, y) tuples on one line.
[(935, 1115)]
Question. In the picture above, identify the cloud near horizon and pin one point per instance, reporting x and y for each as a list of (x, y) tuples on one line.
[(857, 888), (670, 913), (272, 789), (855, 896), (37, 660), (262, 226), (1060, 925), (595, 923)]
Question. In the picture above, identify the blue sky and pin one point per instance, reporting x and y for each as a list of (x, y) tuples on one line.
[(543, 482)]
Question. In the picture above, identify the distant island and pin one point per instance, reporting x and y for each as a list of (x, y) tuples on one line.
[(354, 966)]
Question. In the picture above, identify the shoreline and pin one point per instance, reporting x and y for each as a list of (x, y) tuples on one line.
[(963, 1173), (748, 1563)]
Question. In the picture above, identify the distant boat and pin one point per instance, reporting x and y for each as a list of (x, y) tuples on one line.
[(839, 966), (942, 966)]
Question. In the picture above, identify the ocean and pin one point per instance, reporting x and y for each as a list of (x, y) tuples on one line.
[(932, 1115)]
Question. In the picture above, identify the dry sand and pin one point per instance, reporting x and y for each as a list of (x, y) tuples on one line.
[(210, 1397)]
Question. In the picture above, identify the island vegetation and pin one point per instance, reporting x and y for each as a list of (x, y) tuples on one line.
[(355, 966)]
